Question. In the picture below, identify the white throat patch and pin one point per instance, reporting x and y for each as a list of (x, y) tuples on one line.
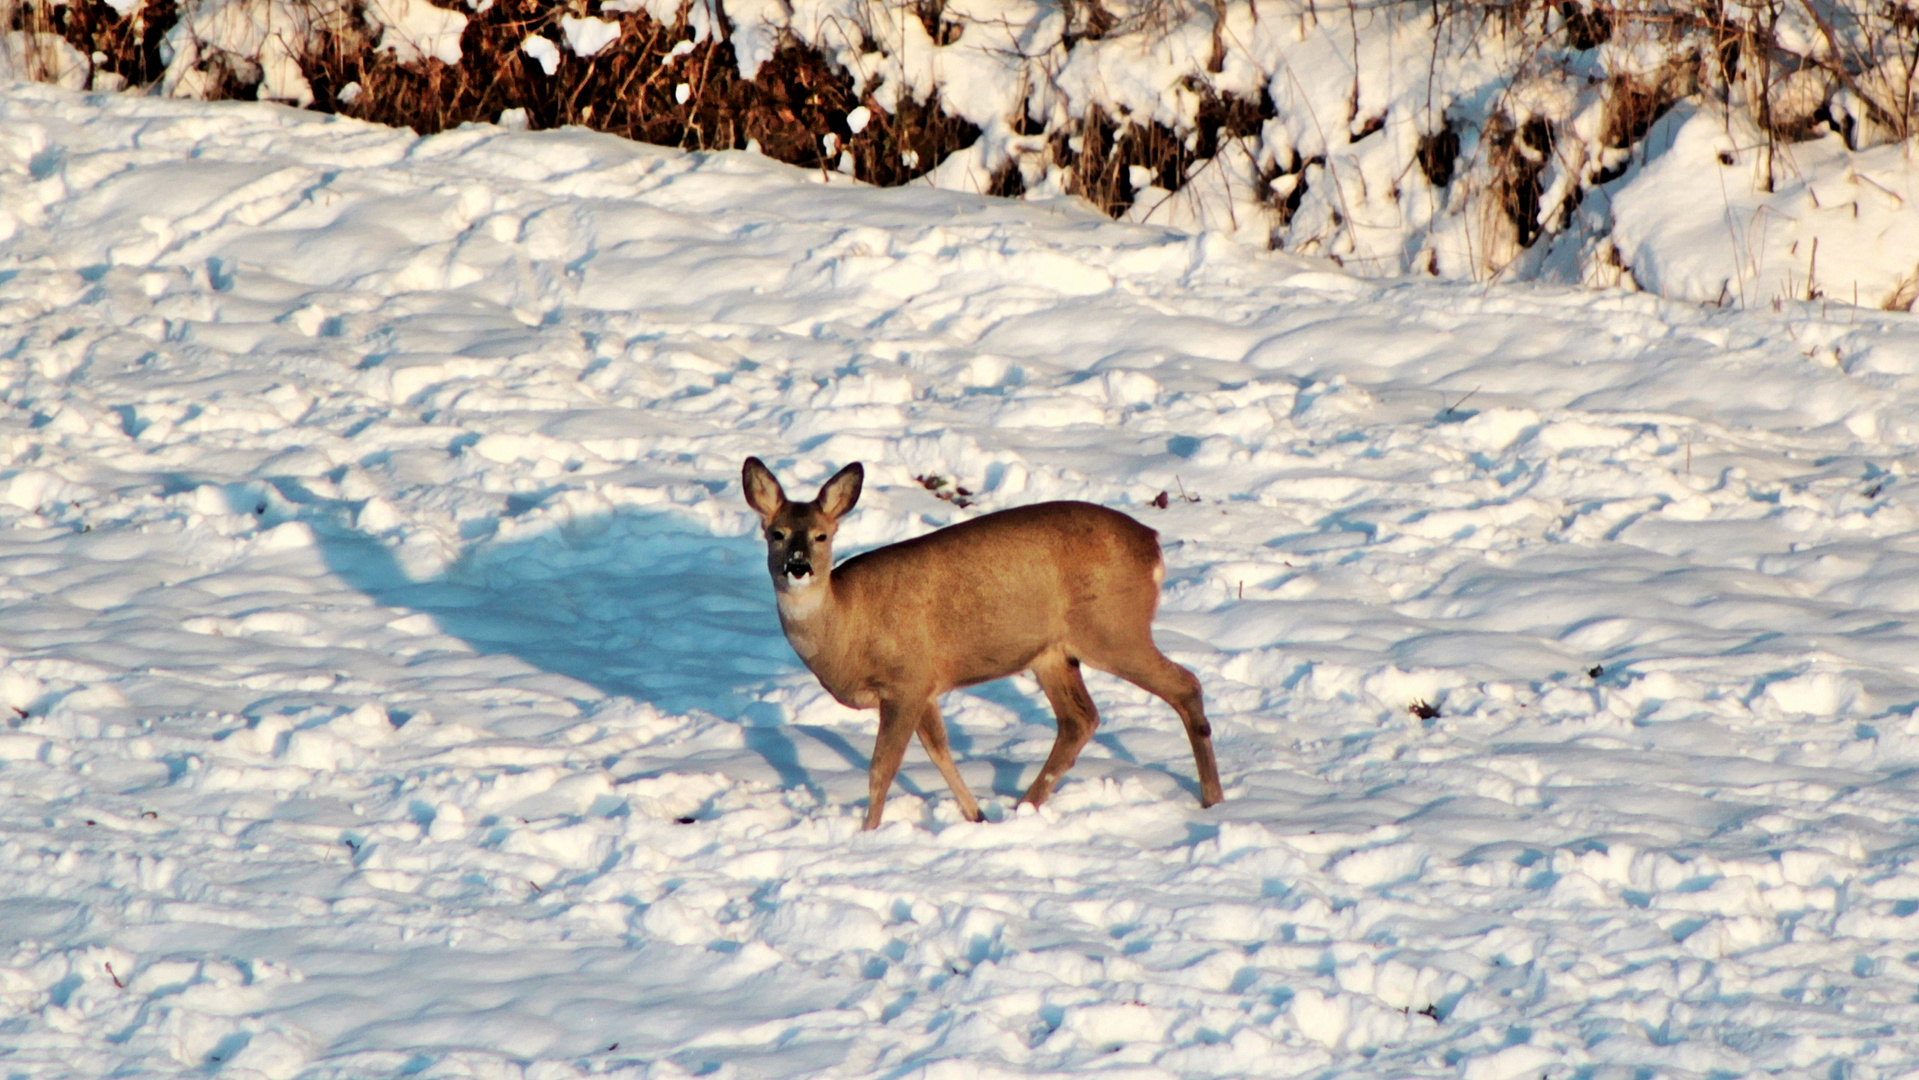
[(802, 598)]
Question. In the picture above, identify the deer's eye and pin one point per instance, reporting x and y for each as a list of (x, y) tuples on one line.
[(778, 535), (821, 538)]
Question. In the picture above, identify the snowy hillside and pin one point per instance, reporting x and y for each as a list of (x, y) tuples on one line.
[(1742, 155), (392, 685)]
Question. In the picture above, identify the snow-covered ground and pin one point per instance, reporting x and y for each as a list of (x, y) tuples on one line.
[(393, 685)]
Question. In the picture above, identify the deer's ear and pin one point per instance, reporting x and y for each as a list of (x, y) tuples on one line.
[(838, 495), (763, 492)]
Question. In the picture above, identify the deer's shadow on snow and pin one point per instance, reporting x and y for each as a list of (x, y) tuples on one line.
[(640, 604)]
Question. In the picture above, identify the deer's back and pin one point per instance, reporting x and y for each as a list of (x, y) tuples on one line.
[(981, 598)]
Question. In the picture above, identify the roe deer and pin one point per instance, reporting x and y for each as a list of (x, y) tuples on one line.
[(1041, 588)]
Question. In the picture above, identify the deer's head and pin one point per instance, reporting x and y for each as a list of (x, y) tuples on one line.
[(799, 535)]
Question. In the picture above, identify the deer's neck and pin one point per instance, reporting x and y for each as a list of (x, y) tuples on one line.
[(817, 626), (807, 616)]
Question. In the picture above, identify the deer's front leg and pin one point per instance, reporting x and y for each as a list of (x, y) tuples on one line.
[(899, 718), (933, 737)]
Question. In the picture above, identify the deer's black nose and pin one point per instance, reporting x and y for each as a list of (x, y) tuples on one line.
[(798, 565)]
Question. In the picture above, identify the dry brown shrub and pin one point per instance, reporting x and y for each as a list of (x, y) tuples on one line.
[(631, 88), (1438, 154), (1635, 103), (1099, 153), (1518, 154), (124, 46)]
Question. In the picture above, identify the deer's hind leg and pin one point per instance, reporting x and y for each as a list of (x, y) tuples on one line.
[(933, 737), (1058, 675), (1149, 670)]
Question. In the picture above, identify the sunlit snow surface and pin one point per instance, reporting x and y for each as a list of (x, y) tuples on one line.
[(378, 597)]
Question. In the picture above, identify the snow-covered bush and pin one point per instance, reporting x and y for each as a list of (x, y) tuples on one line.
[(1702, 148)]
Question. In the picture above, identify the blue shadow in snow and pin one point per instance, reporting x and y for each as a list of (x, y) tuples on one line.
[(635, 604), (638, 604)]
